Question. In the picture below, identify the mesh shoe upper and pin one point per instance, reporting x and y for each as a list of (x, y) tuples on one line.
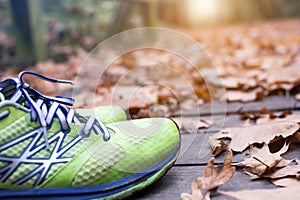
[(65, 149)]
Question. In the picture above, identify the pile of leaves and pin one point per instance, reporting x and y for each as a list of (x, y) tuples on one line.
[(254, 60), (262, 144)]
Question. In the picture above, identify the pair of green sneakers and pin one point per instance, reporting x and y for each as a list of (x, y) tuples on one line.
[(48, 150)]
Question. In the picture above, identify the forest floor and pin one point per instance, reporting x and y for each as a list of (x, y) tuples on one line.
[(253, 112)]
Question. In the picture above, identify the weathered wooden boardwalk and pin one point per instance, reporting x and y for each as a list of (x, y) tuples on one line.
[(195, 151)]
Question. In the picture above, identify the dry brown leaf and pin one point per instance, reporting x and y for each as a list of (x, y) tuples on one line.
[(204, 123), (158, 111), (273, 62), (286, 182), (190, 104), (296, 138), (280, 88), (244, 96), (189, 125), (192, 124), (218, 147), (272, 115), (246, 123), (195, 196), (283, 163), (253, 167), (288, 118), (242, 137), (245, 116), (290, 171), (262, 161), (290, 193), (212, 178), (285, 113), (264, 110), (265, 156), (238, 82), (289, 74)]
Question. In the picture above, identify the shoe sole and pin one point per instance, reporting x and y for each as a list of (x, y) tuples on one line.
[(114, 190)]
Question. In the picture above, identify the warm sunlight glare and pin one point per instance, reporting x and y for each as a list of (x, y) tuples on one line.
[(202, 10)]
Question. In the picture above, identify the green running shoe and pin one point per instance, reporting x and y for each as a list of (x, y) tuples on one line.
[(107, 114), (50, 151)]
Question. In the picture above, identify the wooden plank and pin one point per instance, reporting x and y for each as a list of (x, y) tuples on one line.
[(222, 121), (190, 124), (191, 163), (179, 179), (297, 105), (275, 103), (196, 151)]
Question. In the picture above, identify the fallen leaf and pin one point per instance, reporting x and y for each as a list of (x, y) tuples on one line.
[(218, 147), (286, 182), (272, 115), (265, 156), (238, 82), (296, 138), (264, 110), (246, 123), (245, 115), (289, 74), (189, 125), (262, 161), (192, 124), (242, 137), (195, 196), (290, 193), (244, 96), (287, 118), (253, 167), (280, 88), (157, 110), (288, 171), (285, 113), (204, 123), (212, 178), (189, 104)]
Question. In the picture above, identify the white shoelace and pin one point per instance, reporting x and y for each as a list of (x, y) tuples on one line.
[(44, 108)]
